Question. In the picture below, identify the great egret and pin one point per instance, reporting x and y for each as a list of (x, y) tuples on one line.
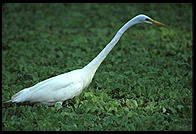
[(67, 85)]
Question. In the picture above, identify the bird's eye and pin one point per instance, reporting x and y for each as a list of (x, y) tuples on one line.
[(147, 19)]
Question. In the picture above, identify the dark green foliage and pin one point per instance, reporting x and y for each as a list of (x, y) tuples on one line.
[(145, 83)]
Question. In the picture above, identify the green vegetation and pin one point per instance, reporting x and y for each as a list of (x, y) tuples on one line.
[(145, 83)]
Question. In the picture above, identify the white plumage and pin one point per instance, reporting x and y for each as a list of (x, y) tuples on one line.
[(65, 86), (52, 90)]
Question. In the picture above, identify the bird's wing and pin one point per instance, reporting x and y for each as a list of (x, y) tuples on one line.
[(47, 85), (59, 95), (68, 92), (50, 90)]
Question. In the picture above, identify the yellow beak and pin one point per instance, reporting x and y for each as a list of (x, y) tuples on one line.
[(158, 23)]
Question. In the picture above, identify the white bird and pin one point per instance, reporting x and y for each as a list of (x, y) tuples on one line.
[(67, 85)]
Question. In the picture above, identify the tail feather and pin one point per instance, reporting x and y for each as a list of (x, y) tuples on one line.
[(24, 94), (7, 101), (20, 96)]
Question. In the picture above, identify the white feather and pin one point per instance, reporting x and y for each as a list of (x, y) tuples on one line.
[(65, 86), (52, 90)]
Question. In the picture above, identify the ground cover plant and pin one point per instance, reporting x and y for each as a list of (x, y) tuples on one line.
[(145, 83)]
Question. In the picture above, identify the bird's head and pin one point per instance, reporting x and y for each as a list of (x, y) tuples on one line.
[(145, 19)]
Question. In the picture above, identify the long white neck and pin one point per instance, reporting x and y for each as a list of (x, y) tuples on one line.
[(94, 64)]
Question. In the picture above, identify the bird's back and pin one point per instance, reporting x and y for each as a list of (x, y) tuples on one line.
[(52, 90)]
